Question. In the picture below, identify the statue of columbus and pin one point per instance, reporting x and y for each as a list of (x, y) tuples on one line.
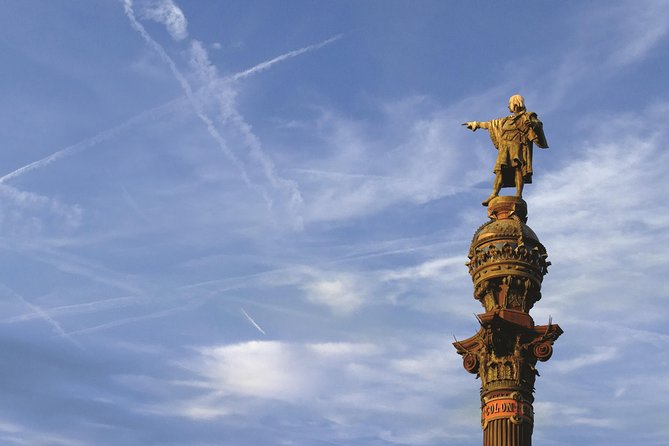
[(513, 136)]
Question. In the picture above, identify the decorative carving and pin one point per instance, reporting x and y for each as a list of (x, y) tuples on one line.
[(504, 354), (506, 260), (543, 351), (516, 293), (471, 363), (507, 264)]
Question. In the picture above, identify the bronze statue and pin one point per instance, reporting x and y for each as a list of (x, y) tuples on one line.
[(513, 137)]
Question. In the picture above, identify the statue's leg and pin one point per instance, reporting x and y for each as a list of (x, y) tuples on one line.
[(519, 182), (496, 186)]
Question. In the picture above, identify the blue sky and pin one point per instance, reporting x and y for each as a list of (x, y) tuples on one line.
[(246, 222)]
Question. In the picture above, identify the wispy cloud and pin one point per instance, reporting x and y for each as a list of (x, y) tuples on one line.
[(599, 355), (585, 189), (27, 213), (410, 155), (602, 42), (304, 373), (640, 27), (568, 415)]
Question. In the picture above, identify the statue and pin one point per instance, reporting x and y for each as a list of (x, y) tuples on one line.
[(513, 137)]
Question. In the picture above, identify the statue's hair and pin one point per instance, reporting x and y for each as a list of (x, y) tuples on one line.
[(516, 103)]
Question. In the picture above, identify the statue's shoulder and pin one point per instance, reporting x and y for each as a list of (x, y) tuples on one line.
[(531, 116)]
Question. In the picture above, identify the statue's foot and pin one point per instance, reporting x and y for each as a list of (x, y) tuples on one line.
[(487, 200)]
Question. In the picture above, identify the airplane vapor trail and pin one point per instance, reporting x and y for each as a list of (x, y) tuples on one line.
[(190, 95), (267, 64), (85, 307), (43, 314), (132, 319), (254, 323), (154, 113), (89, 142)]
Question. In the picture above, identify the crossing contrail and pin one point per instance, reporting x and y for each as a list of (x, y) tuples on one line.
[(152, 113), (43, 314)]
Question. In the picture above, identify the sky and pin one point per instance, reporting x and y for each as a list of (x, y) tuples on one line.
[(246, 222)]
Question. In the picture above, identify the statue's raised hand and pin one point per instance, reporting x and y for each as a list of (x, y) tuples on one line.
[(472, 125)]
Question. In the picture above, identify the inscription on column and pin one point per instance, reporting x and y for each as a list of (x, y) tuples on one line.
[(516, 411)]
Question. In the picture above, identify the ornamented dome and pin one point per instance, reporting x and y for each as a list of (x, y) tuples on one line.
[(506, 260)]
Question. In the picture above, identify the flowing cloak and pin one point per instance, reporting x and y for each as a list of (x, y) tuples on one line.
[(513, 137)]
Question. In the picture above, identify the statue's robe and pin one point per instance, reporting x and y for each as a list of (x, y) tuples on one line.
[(514, 137)]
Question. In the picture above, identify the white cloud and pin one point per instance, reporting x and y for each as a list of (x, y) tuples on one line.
[(344, 349), (340, 291), (343, 381), (340, 294), (260, 369)]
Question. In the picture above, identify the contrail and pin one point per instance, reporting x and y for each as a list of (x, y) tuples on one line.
[(129, 320), (82, 266), (85, 307), (43, 314), (267, 64), (185, 86), (230, 115), (250, 319), (242, 280), (90, 142), (154, 113), (135, 207)]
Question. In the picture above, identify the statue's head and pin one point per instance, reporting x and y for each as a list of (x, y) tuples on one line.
[(516, 103)]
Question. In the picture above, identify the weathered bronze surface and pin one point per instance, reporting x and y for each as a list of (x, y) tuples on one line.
[(513, 136), (507, 263)]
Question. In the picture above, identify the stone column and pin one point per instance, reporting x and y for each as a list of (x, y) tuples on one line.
[(507, 264)]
